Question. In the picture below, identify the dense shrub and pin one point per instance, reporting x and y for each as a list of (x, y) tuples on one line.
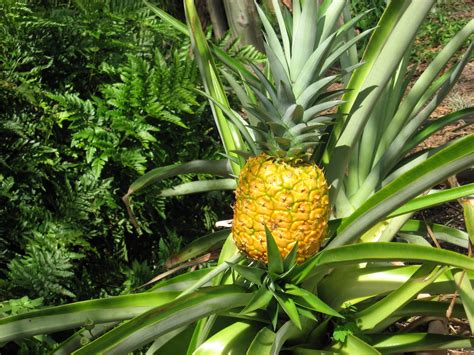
[(92, 95)]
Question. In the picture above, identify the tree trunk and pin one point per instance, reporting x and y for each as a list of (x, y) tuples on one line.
[(243, 21), (218, 18)]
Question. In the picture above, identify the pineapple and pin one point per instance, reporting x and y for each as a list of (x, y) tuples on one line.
[(281, 187), (290, 198)]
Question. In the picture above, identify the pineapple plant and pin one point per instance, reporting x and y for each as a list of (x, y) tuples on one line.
[(282, 188), (375, 266)]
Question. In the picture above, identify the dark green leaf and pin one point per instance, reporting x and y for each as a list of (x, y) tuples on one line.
[(310, 300), (260, 300), (252, 274), (289, 307), (275, 262)]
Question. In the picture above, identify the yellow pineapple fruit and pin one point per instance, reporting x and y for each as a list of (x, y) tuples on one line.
[(290, 198)]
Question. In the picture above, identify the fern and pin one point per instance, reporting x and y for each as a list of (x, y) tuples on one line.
[(87, 104), (244, 54), (46, 268)]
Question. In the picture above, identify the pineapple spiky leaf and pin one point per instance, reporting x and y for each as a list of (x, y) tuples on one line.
[(254, 275), (290, 260), (275, 261), (310, 300), (289, 306), (260, 300)]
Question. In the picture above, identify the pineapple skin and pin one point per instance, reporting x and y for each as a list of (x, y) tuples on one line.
[(290, 198)]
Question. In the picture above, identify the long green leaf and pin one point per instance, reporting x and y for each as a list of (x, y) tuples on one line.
[(195, 187), (428, 308), (228, 132), (373, 282), (422, 309), (446, 234), (75, 315), (235, 338), (198, 247), (401, 343), (158, 321), (386, 47), (434, 199), (262, 343), (440, 166), (215, 167), (181, 282), (366, 252), (422, 85), (466, 291), (438, 124), (354, 345), (373, 315), (396, 150)]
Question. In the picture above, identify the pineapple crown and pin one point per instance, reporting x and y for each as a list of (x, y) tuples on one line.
[(288, 102)]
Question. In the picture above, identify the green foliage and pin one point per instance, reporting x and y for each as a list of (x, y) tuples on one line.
[(88, 104), (443, 22), (376, 8), (349, 297), (46, 268), (19, 306)]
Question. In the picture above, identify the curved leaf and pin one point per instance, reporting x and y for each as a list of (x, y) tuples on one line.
[(158, 321), (438, 124), (235, 338), (262, 343), (198, 247), (400, 343), (385, 252), (354, 345), (215, 167), (375, 281), (386, 48), (423, 84), (435, 169), (441, 232), (195, 187), (376, 313), (434, 199), (75, 315)]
